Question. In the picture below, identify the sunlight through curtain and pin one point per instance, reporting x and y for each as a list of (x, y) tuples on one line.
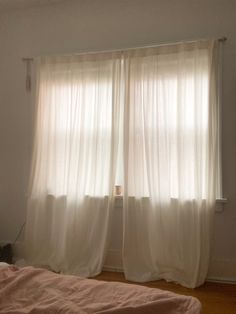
[(146, 119), (74, 162), (170, 156)]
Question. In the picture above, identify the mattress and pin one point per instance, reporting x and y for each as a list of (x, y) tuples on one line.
[(35, 290)]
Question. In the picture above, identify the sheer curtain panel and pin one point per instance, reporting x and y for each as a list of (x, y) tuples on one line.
[(74, 162), (146, 119), (170, 158)]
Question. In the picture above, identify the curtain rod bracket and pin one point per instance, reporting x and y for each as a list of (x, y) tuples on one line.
[(28, 62), (27, 59)]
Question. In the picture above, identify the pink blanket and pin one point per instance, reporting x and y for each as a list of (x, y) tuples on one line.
[(32, 290)]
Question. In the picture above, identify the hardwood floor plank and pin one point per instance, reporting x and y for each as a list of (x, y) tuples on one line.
[(216, 298)]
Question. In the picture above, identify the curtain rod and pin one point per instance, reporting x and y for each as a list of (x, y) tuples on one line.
[(220, 39)]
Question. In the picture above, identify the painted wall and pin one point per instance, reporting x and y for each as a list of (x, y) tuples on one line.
[(72, 26)]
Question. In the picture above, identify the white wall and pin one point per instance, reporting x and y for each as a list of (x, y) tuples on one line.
[(72, 26)]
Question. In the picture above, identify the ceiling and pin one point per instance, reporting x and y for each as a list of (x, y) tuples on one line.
[(18, 4)]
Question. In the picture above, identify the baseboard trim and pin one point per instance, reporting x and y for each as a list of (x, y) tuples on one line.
[(222, 270), (113, 269), (231, 281), (114, 260), (212, 279)]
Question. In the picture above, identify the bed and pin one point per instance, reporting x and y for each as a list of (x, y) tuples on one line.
[(34, 290)]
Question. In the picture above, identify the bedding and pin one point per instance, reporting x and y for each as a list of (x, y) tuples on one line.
[(34, 290)]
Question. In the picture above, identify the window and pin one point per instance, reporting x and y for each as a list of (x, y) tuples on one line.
[(135, 118), (169, 103), (146, 119), (74, 138)]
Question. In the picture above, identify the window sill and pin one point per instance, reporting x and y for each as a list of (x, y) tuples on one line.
[(221, 200), (219, 203)]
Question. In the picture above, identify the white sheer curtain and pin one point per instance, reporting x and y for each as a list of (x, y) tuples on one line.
[(170, 157), (74, 162), (145, 118)]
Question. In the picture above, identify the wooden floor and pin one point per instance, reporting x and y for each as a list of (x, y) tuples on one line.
[(216, 298)]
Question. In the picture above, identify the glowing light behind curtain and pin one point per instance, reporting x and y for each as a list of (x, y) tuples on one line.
[(74, 162), (161, 105), (170, 157)]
